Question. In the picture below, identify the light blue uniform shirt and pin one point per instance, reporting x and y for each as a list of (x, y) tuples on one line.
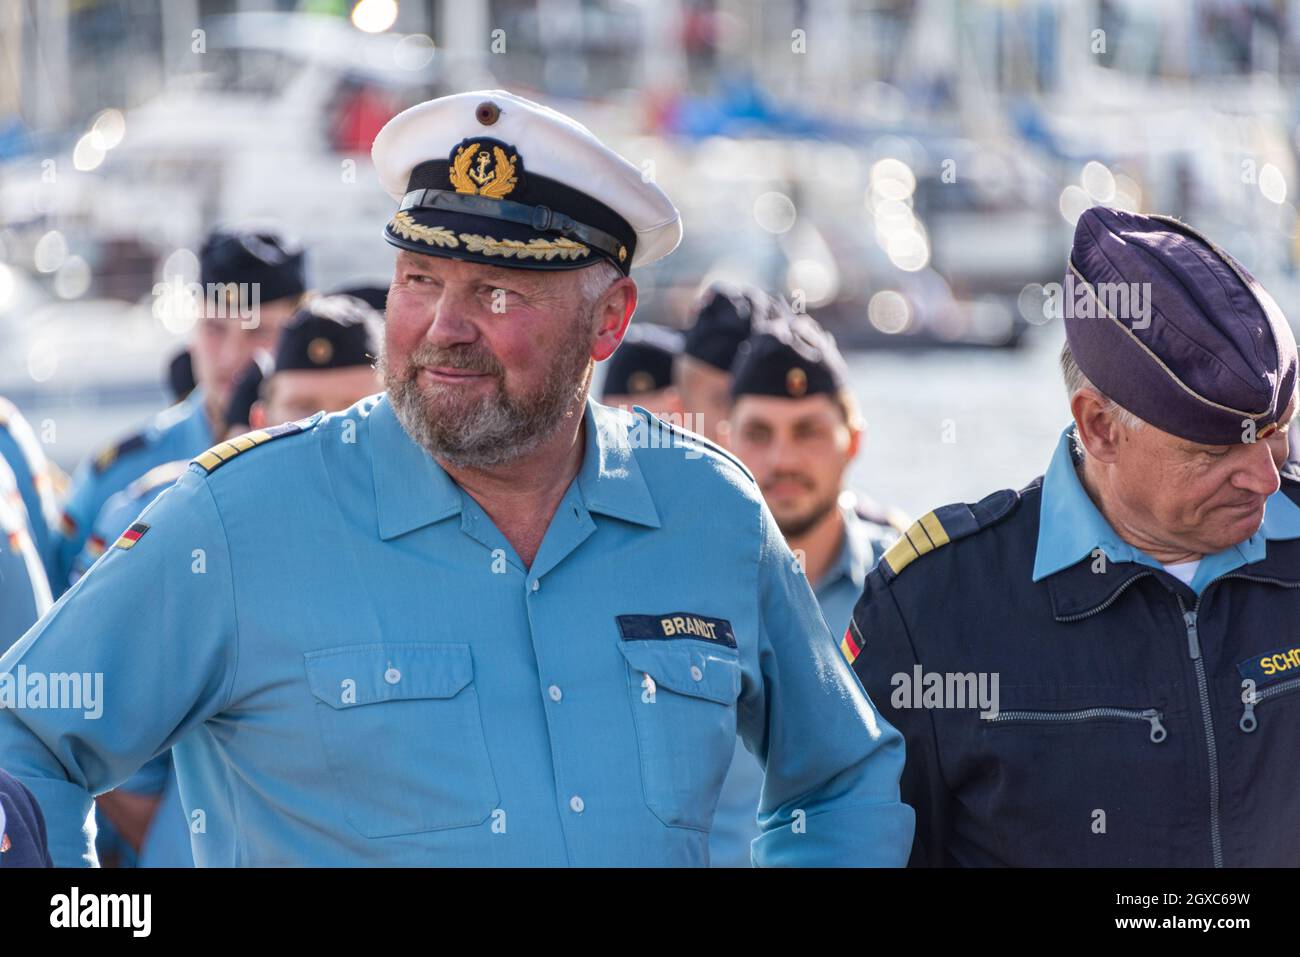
[(735, 826), (33, 474), (359, 670), (179, 432), (1071, 527)]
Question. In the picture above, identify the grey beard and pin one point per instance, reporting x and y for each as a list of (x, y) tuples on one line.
[(496, 430)]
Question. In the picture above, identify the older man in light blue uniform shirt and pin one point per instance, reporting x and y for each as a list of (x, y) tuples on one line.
[(357, 665)]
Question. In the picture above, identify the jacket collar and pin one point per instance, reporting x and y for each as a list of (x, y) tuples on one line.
[(1071, 529)]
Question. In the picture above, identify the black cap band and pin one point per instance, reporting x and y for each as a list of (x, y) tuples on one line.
[(541, 218)]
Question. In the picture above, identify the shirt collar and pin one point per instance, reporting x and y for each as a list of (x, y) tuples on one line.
[(856, 553), (412, 490), (610, 478), (1070, 527)]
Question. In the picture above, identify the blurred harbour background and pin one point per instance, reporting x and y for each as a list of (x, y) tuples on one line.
[(909, 171)]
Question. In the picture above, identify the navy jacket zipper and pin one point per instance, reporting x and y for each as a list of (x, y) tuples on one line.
[(1150, 715)]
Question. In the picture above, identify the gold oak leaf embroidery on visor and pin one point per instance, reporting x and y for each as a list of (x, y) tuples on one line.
[(406, 227), (533, 249)]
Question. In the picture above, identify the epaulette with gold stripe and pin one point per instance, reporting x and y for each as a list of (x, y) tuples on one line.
[(946, 524), (223, 452), (114, 452)]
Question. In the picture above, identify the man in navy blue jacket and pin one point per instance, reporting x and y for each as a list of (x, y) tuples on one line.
[(1104, 667)]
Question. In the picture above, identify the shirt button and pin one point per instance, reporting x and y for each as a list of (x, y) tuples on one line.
[(555, 692), (537, 583), (576, 805), (392, 676), (696, 673)]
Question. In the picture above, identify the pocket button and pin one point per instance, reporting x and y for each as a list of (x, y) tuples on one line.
[(392, 676), (696, 673)]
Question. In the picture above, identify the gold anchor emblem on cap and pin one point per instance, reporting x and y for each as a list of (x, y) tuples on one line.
[(480, 173), (796, 382)]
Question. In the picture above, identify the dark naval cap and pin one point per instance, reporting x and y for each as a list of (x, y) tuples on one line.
[(329, 332), (791, 358), (644, 360), (1207, 354), (259, 254), (723, 321)]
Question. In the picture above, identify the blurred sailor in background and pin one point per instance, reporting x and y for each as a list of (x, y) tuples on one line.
[(255, 280), (702, 372), (641, 371), (40, 482)]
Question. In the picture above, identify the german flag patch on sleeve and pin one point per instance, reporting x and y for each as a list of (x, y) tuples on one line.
[(132, 535), (850, 647)]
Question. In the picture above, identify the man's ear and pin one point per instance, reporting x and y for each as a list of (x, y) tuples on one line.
[(1098, 429), (257, 415), (613, 312), (856, 434), (724, 433)]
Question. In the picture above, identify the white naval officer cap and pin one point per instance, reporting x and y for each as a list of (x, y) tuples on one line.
[(491, 177)]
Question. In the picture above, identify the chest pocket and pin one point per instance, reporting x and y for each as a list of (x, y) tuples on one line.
[(402, 733), (684, 705), (1089, 775)]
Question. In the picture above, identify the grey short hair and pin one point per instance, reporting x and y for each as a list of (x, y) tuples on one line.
[(593, 280), (1076, 382)]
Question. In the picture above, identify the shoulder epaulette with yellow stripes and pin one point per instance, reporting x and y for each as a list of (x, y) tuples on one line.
[(223, 452), (114, 452), (947, 524)]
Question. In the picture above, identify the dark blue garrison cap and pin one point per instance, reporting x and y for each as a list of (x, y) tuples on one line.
[(259, 255), (1208, 354), (644, 360), (329, 332), (791, 356), (723, 321)]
